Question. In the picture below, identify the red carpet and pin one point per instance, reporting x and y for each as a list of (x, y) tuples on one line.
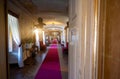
[(50, 68), (54, 41)]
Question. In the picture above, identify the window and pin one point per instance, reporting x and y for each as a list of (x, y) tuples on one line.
[(12, 46)]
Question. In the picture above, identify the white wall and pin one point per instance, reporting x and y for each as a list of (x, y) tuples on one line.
[(83, 40), (26, 20)]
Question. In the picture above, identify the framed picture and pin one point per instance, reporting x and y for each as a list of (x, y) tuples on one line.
[(73, 32)]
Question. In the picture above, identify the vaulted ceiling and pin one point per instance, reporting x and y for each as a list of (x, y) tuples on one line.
[(52, 11), (38, 6)]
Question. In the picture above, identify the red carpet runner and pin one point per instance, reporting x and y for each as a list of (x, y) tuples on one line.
[(50, 68)]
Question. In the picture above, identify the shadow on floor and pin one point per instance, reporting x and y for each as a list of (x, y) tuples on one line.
[(31, 65)]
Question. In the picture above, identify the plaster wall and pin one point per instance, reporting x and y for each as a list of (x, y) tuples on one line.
[(26, 20)]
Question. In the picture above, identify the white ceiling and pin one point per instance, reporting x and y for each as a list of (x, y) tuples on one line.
[(52, 11), (51, 5)]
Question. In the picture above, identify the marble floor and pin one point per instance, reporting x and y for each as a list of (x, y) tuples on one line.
[(32, 64)]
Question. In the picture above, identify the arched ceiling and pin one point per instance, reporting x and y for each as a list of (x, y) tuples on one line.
[(52, 11), (51, 5)]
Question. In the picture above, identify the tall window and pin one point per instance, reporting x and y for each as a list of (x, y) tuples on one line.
[(14, 38), (12, 46)]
